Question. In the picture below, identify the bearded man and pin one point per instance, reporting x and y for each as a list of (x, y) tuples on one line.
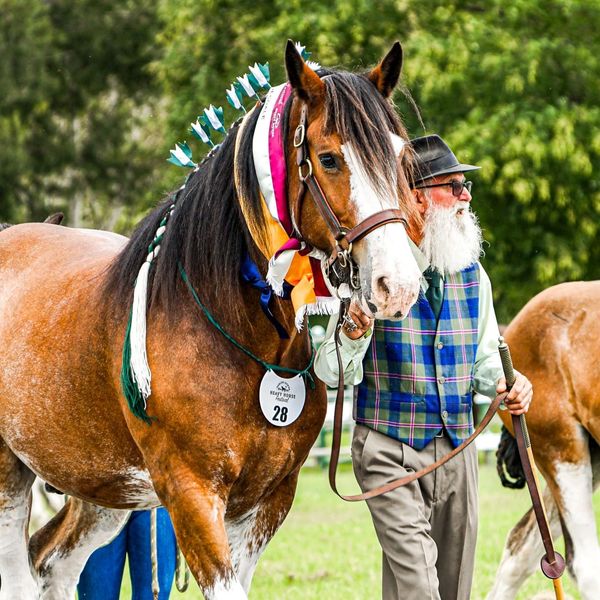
[(415, 380)]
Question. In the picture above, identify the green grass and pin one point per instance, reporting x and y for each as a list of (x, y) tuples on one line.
[(326, 548)]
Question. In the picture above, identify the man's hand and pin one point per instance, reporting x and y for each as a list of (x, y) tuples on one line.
[(356, 323), (520, 396)]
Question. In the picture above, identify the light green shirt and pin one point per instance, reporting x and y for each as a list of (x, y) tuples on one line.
[(488, 368)]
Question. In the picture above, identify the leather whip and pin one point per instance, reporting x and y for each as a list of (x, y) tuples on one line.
[(552, 563)]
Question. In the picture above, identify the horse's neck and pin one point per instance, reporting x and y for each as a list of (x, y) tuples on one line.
[(292, 352), (251, 328)]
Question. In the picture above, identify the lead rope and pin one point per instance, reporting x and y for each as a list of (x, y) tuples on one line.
[(181, 586), (154, 554)]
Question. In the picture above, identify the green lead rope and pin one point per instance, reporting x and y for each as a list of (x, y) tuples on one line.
[(305, 373)]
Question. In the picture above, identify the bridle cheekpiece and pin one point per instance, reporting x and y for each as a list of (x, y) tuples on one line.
[(340, 267)]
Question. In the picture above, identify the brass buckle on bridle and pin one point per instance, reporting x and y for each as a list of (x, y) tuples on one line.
[(299, 135), (308, 162)]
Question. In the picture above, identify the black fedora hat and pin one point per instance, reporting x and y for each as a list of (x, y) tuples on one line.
[(434, 158)]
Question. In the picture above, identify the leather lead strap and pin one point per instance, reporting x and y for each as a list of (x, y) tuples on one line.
[(337, 434)]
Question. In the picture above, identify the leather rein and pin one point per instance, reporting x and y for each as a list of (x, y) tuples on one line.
[(340, 266), (337, 434)]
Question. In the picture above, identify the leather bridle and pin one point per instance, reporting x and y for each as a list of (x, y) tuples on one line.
[(340, 266)]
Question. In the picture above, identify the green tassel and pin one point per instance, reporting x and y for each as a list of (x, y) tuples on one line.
[(130, 389)]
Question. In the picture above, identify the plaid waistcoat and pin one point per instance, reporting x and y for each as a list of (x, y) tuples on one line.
[(418, 375)]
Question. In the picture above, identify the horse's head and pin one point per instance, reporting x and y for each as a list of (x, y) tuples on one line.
[(348, 144)]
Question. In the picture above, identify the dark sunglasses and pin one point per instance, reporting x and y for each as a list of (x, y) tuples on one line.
[(457, 186)]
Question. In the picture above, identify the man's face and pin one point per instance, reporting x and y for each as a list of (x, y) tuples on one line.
[(451, 238), (441, 195)]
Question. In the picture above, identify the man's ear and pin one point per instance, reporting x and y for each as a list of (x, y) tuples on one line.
[(421, 201)]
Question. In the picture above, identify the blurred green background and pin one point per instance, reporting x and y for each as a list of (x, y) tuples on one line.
[(94, 92)]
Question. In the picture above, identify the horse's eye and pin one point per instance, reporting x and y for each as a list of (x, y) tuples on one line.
[(328, 161)]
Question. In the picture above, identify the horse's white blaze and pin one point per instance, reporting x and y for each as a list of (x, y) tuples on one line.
[(575, 485), (389, 273), (397, 143), (246, 545), (226, 589), (17, 580)]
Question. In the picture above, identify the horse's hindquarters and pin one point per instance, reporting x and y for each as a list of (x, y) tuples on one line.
[(59, 404)]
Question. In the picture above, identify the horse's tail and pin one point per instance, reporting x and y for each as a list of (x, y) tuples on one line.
[(508, 462)]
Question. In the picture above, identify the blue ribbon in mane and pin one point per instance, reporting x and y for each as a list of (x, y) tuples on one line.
[(250, 274)]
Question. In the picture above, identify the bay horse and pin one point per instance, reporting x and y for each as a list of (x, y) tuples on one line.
[(555, 340), (226, 475)]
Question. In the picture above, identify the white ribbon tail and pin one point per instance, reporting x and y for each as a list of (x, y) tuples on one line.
[(278, 269), (140, 369), (322, 306)]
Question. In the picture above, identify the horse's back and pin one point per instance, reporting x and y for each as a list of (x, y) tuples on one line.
[(38, 245), (565, 314)]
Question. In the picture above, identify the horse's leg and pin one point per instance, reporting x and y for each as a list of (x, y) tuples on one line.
[(523, 550), (574, 484), (197, 508), (61, 548), (15, 497), (249, 535)]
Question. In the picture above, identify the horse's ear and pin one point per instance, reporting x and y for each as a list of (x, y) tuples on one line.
[(386, 74), (306, 83)]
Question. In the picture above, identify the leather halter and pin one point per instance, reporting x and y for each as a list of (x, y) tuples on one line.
[(340, 267)]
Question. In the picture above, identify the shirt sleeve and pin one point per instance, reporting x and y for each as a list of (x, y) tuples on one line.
[(351, 351), (488, 367)]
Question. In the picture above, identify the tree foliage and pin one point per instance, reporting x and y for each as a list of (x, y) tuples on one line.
[(74, 76), (511, 86)]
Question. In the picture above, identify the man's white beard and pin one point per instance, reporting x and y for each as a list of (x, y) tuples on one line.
[(451, 241)]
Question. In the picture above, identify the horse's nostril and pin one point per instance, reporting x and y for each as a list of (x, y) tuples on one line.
[(382, 284), (398, 315)]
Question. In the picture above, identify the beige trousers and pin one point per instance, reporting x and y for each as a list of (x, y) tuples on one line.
[(427, 529)]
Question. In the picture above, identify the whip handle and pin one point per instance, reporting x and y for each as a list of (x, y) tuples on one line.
[(509, 374), (507, 365)]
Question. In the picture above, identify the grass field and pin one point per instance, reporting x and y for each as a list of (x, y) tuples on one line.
[(326, 548)]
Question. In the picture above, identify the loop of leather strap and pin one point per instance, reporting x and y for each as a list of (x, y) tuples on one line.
[(337, 434), (554, 563)]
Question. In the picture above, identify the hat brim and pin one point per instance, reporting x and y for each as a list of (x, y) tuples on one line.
[(460, 168)]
